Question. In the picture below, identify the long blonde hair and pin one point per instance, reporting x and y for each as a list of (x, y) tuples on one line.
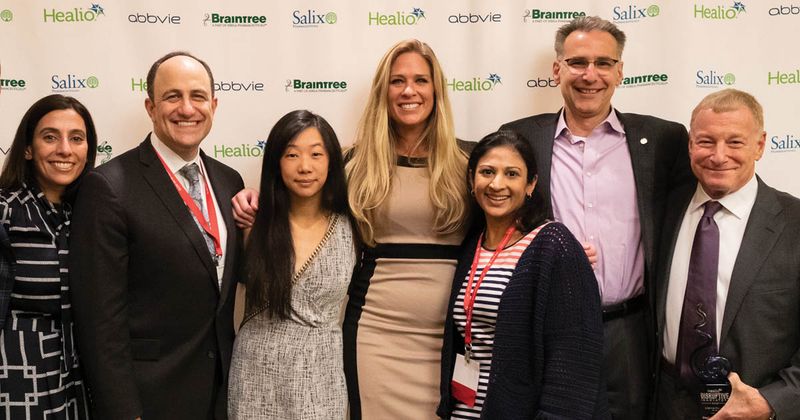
[(373, 157)]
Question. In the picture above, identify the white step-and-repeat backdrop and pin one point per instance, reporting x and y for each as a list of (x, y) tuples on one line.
[(267, 58)]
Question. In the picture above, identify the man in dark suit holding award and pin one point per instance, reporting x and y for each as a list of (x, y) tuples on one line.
[(606, 175), (153, 256), (729, 276)]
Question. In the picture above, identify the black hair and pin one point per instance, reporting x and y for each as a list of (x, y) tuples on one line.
[(18, 170), (533, 211), (270, 255)]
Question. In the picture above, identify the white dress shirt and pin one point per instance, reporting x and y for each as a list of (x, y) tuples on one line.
[(732, 221), (175, 163)]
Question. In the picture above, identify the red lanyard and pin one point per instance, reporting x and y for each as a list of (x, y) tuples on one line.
[(470, 294), (210, 226)]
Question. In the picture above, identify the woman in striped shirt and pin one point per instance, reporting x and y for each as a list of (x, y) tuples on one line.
[(523, 337), (54, 146)]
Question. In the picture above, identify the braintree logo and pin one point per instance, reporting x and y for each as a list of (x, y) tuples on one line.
[(702, 11), (398, 18), (538, 15), (77, 14), (476, 84), (634, 13), (645, 80), (73, 83), (783, 78), (216, 19), (714, 79), (12, 84), (6, 15), (243, 150), (315, 86), (312, 19), (785, 143)]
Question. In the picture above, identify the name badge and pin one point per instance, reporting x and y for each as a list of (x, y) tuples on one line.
[(464, 385)]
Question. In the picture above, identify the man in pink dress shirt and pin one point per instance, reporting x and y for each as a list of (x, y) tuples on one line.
[(606, 175)]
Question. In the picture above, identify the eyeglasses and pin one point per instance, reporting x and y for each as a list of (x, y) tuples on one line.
[(579, 65)]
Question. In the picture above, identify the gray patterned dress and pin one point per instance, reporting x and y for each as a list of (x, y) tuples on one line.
[(292, 369)]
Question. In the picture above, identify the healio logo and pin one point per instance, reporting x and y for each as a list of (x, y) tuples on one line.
[(470, 17), (77, 14), (538, 15), (714, 79), (242, 150), (476, 84), (634, 13), (223, 86), (784, 10), (12, 84), (73, 83), (315, 86), (645, 80), (312, 19), (147, 18), (783, 78), (398, 18), (542, 82), (6, 15), (702, 11), (216, 19), (138, 85)]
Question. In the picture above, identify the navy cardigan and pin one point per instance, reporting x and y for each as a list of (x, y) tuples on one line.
[(548, 346)]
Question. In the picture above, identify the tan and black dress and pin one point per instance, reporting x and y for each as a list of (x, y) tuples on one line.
[(398, 302)]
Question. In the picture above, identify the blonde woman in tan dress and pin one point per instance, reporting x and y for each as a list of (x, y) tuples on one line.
[(406, 190)]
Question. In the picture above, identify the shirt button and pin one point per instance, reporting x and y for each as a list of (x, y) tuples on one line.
[(211, 354), (588, 174), (590, 205)]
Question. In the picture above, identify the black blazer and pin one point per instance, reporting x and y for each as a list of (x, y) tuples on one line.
[(155, 331), (761, 325)]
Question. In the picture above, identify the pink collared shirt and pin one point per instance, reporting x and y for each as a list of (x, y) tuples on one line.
[(594, 195)]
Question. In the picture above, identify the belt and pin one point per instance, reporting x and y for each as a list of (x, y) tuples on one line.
[(618, 310)]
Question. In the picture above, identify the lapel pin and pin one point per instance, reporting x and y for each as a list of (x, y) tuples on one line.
[(643, 140)]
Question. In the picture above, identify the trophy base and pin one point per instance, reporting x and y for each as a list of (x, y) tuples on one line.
[(712, 397)]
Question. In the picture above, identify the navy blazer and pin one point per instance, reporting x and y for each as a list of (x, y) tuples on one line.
[(548, 343)]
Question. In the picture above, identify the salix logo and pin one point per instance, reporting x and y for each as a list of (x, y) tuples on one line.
[(232, 86), (714, 79), (147, 18), (216, 19), (77, 14), (469, 17), (634, 13), (783, 78), (73, 83), (476, 84), (539, 15), (12, 84), (784, 143), (784, 10), (645, 80), (542, 82), (315, 86), (397, 18), (312, 18), (6, 15), (104, 151), (242, 150), (701, 11)]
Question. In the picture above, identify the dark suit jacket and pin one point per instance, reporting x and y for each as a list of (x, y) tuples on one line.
[(659, 165), (155, 331), (761, 325)]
